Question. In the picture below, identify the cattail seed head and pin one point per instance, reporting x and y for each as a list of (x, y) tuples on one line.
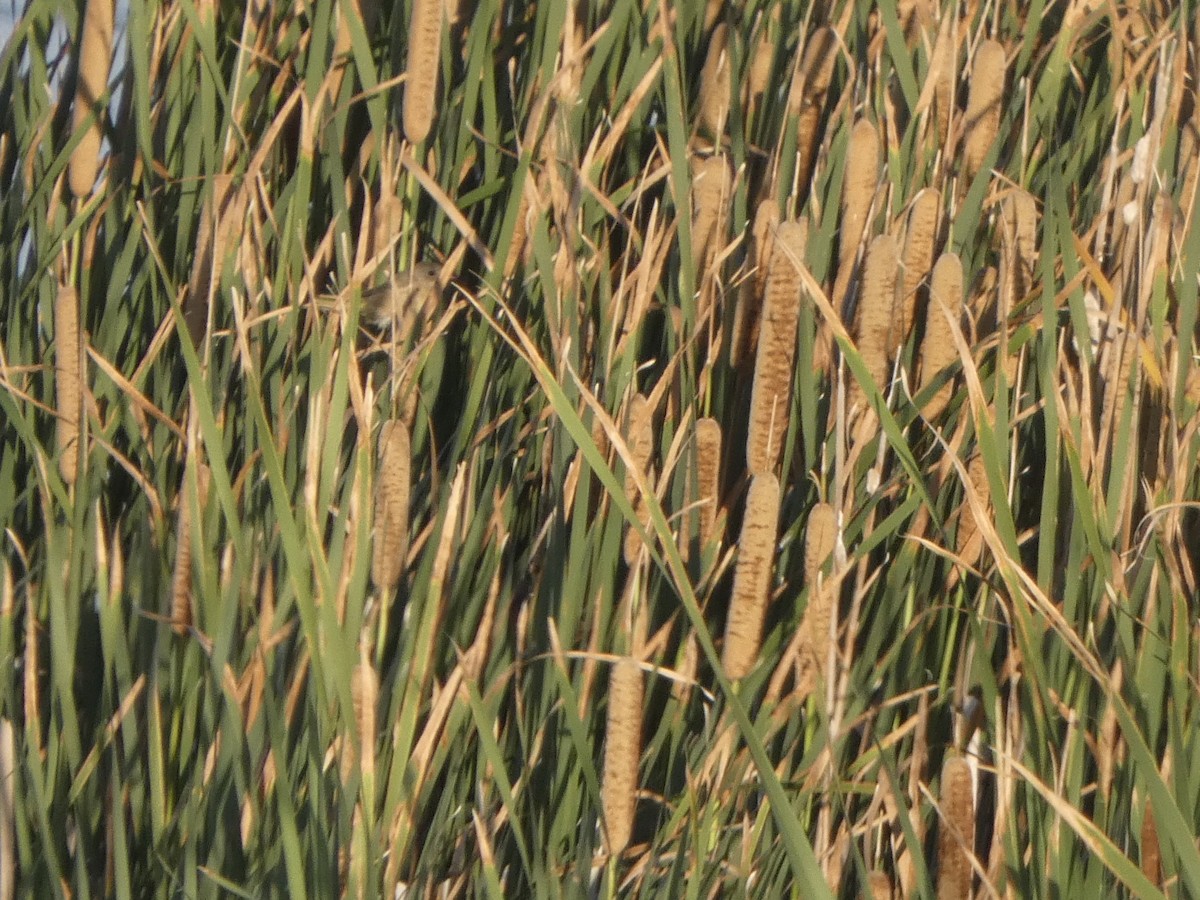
[(520, 239), (806, 101), (937, 348), (752, 576), (386, 221), (820, 538), (95, 58), (1151, 855), (858, 189), (391, 505), (879, 886), (774, 370), (712, 185), (761, 60), (715, 85), (424, 49), (639, 435), (622, 751), (181, 576), (918, 260), (956, 831), (970, 537), (875, 315), (943, 62), (984, 101), (708, 474), (364, 695), (815, 71), (747, 313), (1020, 209), (68, 381)]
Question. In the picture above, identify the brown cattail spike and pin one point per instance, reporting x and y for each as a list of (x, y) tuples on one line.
[(956, 831), (364, 694), (181, 574), (806, 101), (708, 475), (712, 185), (520, 239), (937, 348), (810, 82), (391, 505), (1151, 850), (715, 86), (858, 193), (875, 316), (181, 577), (622, 751), (95, 58), (770, 398), (820, 539), (639, 435), (984, 101), (1023, 212), (747, 313), (943, 62), (762, 56), (752, 577), (970, 537), (919, 244), (68, 381), (879, 886), (424, 49)]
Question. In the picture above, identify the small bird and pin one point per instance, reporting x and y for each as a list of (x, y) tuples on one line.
[(405, 294)]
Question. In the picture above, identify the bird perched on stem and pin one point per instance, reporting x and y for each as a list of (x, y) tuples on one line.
[(403, 295)]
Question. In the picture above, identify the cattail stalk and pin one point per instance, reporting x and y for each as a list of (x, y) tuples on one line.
[(622, 751), (956, 831), (68, 381), (424, 50), (770, 397), (95, 58), (391, 505), (752, 577), (8, 811), (984, 100)]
